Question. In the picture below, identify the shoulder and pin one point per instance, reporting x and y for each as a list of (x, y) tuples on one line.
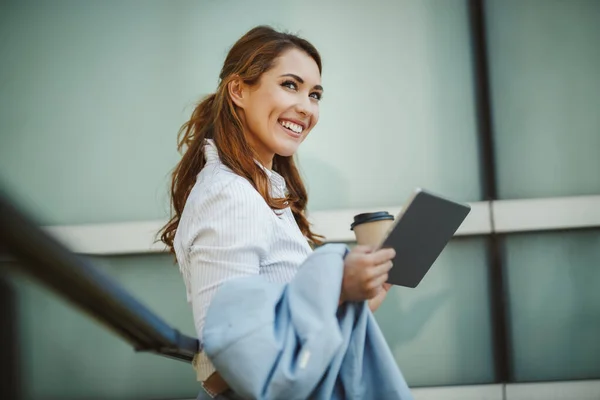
[(225, 207), (217, 187)]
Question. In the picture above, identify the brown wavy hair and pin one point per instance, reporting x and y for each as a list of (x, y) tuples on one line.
[(216, 117)]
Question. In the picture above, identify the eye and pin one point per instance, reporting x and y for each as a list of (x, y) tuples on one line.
[(316, 95), (290, 85)]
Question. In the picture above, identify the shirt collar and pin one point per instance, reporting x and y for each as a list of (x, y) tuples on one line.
[(212, 155)]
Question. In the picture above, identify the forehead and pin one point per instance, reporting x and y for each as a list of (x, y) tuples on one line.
[(297, 62)]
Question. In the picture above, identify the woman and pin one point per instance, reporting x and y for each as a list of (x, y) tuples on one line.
[(238, 199)]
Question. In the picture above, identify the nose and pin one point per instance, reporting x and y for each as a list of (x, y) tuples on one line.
[(304, 107)]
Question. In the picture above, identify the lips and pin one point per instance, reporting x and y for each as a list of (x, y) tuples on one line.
[(293, 126)]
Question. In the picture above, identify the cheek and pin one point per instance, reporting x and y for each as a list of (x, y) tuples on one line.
[(258, 115), (272, 105), (315, 116), (282, 100)]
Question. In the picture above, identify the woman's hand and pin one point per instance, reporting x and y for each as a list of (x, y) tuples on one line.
[(365, 272), (376, 301)]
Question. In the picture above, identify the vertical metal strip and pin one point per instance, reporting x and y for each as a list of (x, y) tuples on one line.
[(487, 162)]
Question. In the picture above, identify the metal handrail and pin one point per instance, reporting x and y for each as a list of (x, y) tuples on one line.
[(75, 278)]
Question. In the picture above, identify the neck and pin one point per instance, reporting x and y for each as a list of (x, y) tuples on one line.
[(268, 164), (264, 156)]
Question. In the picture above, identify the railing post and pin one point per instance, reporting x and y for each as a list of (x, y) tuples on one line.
[(10, 382)]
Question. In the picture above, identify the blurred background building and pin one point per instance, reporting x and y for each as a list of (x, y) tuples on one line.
[(499, 108)]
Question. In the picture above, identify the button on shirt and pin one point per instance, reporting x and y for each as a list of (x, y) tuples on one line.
[(226, 231)]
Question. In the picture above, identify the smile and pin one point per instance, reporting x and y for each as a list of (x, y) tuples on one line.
[(297, 129)]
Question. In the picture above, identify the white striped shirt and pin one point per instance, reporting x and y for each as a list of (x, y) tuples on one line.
[(227, 230)]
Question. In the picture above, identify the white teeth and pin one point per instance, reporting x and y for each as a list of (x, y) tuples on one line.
[(292, 126)]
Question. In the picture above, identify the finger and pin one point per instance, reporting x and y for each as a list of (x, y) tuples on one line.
[(383, 255), (381, 268), (371, 249), (379, 281), (378, 270)]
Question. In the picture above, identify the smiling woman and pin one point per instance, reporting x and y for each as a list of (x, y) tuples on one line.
[(283, 107), (264, 82), (238, 200)]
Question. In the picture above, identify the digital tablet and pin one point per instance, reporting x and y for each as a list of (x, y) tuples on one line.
[(419, 234)]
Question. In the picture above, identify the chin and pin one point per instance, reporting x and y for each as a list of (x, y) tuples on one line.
[(287, 151), (287, 148)]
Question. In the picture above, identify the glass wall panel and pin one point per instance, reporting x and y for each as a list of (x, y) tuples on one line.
[(67, 355), (544, 60), (554, 300), (440, 332)]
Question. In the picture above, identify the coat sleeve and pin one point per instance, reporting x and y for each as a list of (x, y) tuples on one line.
[(276, 341)]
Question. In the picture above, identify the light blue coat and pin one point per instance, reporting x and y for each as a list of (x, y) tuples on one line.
[(291, 341)]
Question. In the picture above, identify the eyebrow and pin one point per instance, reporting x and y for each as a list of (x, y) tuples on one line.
[(296, 77)]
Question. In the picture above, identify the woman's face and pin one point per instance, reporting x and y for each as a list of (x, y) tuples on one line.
[(282, 108)]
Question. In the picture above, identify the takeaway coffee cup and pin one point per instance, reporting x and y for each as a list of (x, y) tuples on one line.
[(370, 228)]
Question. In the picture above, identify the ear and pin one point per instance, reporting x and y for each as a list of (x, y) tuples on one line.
[(237, 91)]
